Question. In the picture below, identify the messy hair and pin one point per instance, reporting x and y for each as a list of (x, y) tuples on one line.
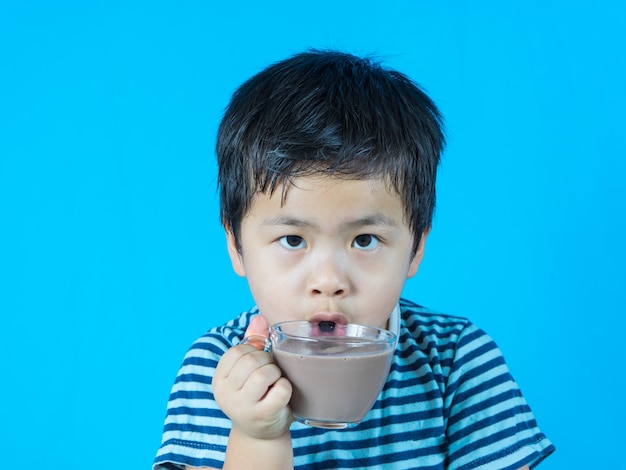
[(329, 113)]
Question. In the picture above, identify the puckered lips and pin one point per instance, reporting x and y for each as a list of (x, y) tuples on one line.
[(328, 324)]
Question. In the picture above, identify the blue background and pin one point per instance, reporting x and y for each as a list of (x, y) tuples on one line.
[(112, 259)]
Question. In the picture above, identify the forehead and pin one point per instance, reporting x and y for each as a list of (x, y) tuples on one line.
[(330, 198)]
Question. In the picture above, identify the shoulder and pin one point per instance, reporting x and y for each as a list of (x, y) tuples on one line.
[(481, 402), (415, 312), (444, 330), (449, 343), (426, 325), (461, 354), (207, 349), (224, 336)]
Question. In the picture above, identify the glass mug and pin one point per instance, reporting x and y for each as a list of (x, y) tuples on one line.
[(336, 371)]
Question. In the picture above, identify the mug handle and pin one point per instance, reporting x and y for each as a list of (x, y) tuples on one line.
[(259, 342)]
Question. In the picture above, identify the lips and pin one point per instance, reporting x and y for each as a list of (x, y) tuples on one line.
[(329, 317), (328, 324)]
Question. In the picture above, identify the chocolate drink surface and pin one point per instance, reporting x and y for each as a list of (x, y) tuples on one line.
[(334, 385)]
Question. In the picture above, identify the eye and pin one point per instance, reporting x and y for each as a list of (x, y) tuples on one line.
[(292, 242), (366, 242)]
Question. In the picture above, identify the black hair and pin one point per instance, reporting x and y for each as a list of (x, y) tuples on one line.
[(329, 113)]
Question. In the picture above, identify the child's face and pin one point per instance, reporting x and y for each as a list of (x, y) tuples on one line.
[(334, 250)]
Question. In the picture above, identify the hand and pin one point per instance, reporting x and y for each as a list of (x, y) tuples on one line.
[(250, 390)]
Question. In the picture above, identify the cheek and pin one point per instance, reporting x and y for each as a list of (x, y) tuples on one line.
[(385, 289), (378, 291), (272, 289), (376, 309)]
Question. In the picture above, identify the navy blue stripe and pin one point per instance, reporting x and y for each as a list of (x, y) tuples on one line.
[(439, 325), (214, 346), (429, 372), (421, 331), (190, 427), (415, 389), (199, 361), (198, 378), (367, 462), (349, 445), (425, 350), (191, 394)]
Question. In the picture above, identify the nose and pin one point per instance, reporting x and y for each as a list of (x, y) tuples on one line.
[(329, 278)]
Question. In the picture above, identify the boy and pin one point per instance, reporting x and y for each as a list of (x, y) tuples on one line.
[(327, 167)]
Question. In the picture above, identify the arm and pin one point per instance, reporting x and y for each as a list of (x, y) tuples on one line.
[(250, 390)]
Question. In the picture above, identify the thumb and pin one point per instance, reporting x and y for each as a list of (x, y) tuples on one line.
[(258, 327), (257, 333)]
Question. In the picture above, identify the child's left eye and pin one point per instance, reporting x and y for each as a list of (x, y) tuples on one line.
[(366, 242)]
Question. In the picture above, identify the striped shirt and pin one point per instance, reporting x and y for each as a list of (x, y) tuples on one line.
[(449, 403)]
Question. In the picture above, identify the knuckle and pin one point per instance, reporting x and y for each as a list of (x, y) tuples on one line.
[(266, 374), (284, 389), (253, 359)]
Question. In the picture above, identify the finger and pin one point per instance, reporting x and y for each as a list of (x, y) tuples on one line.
[(228, 361), (257, 333), (262, 380), (247, 365), (277, 397), (258, 327)]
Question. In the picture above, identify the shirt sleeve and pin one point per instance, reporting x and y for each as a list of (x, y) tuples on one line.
[(196, 430), (489, 424)]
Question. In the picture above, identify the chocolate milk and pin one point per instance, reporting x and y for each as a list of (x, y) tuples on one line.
[(333, 385)]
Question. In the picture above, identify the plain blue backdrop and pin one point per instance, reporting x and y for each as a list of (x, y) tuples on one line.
[(112, 259)]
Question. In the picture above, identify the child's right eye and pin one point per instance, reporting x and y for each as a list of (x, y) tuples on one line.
[(292, 242)]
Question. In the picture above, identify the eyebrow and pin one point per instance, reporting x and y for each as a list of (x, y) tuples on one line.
[(371, 220)]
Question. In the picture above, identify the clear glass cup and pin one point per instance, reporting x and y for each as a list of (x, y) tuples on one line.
[(337, 372)]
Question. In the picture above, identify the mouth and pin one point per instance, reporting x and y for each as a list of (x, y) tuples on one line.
[(328, 324)]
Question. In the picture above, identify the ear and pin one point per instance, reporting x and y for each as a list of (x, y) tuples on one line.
[(419, 255), (235, 256)]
